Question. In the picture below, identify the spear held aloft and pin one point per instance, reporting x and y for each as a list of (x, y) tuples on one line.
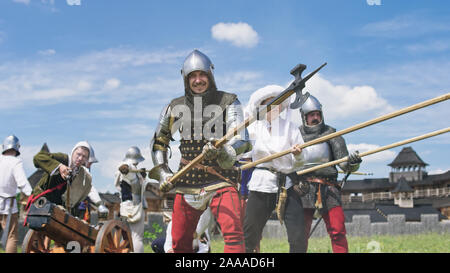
[(351, 129), (390, 146), (295, 87)]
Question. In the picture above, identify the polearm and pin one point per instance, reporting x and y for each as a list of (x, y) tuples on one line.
[(357, 173), (350, 129), (435, 133), (294, 87), (390, 146)]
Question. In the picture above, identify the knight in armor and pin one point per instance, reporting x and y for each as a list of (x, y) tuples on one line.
[(202, 115), (66, 181), (131, 183), (269, 135), (319, 190), (12, 177)]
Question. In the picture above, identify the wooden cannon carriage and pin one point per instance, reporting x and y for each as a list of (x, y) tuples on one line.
[(53, 229)]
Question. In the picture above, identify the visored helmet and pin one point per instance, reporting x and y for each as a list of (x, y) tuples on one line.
[(11, 142), (133, 155)]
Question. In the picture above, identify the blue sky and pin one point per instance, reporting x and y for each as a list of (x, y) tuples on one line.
[(102, 70)]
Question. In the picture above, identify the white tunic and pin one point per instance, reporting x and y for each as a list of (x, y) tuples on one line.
[(283, 136), (12, 176)]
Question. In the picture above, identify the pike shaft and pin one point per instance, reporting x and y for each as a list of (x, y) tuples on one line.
[(352, 128), (390, 146)]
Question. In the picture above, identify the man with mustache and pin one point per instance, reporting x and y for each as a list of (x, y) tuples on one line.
[(202, 115), (318, 190)]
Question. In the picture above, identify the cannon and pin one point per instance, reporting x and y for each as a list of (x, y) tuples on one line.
[(54, 230)]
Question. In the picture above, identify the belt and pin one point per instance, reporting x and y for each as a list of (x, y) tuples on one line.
[(270, 169), (322, 181), (208, 169)]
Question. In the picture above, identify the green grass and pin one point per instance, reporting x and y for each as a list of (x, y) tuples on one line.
[(420, 243)]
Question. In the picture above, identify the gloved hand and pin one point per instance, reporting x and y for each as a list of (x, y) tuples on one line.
[(226, 156), (354, 158), (124, 169), (210, 151), (166, 186), (143, 173)]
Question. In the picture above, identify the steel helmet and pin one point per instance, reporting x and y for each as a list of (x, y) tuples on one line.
[(11, 142), (133, 155), (310, 105), (195, 61)]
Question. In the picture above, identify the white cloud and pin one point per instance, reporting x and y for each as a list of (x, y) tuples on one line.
[(343, 101), (112, 83), (73, 2), (239, 34)]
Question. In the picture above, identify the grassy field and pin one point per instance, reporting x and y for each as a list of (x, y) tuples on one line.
[(421, 243)]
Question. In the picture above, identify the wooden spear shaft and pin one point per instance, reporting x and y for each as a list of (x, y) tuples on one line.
[(390, 146), (351, 129)]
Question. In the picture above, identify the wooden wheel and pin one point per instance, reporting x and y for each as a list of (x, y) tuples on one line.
[(114, 237), (37, 242)]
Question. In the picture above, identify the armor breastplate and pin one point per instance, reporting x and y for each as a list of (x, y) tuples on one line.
[(196, 177), (313, 155)]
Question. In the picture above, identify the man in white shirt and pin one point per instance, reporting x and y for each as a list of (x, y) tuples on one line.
[(12, 177), (269, 135)]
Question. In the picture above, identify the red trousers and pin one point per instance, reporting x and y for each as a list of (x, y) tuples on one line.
[(335, 223), (226, 208)]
